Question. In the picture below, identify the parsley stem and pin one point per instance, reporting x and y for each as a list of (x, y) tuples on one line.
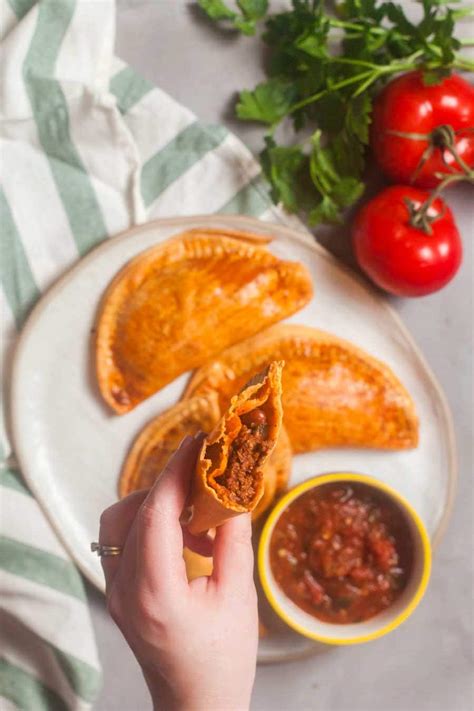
[(361, 27), (463, 63), (459, 60), (355, 62), (365, 85), (464, 12), (368, 78), (405, 63), (338, 85), (376, 75), (356, 27)]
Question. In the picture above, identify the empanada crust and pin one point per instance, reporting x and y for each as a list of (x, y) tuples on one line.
[(334, 393), (180, 303)]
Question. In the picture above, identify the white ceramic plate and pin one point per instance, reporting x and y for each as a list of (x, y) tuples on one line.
[(71, 447)]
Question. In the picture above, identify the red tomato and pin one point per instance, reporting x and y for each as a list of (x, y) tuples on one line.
[(400, 258), (408, 105)]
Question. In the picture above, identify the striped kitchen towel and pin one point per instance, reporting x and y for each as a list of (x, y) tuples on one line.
[(88, 148)]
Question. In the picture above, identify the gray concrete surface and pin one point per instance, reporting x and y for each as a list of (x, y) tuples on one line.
[(426, 665)]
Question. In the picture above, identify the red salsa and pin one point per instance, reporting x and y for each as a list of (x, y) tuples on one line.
[(342, 552)]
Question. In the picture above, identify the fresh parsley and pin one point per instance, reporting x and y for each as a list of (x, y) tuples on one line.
[(324, 68), (251, 11)]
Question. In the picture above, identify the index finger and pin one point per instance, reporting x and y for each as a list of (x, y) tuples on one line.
[(159, 534)]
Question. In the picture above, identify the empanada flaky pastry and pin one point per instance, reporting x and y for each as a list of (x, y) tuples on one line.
[(229, 479), (179, 304), (161, 437), (334, 394)]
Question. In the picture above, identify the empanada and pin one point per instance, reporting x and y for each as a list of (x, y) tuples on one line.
[(229, 477), (179, 304), (334, 394), (161, 437)]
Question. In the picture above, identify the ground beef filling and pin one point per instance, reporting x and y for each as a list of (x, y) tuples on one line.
[(247, 451)]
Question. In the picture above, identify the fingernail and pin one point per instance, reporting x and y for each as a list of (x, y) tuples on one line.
[(185, 441)]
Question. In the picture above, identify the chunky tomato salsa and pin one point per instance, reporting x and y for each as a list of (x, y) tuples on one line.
[(342, 552)]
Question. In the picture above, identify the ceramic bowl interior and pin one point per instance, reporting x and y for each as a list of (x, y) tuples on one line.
[(378, 625)]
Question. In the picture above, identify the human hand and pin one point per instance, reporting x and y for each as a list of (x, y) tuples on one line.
[(195, 642)]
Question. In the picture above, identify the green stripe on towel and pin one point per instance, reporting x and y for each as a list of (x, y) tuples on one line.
[(52, 120), (128, 87), (15, 273), (21, 7), (178, 156), (84, 679), (253, 199), (27, 692), (40, 567), (13, 480)]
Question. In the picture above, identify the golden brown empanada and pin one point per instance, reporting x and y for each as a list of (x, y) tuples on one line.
[(179, 304), (228, 479), (161, 437), (334, 394)]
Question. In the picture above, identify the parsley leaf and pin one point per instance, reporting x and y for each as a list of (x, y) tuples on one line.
[(268, 102), (335, 171), (217, 10), (247, 27), (282, 165), (359, 116), (253, 9), (251, 12)]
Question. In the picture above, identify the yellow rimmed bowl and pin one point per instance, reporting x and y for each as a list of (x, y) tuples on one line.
[(359, 632)]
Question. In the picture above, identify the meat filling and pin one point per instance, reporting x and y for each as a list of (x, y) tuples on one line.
[(247, 451)]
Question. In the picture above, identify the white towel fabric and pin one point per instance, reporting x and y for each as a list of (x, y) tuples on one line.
[(88, 148)]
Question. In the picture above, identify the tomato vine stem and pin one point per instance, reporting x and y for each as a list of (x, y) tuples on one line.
[(419, 217), (442, 137)]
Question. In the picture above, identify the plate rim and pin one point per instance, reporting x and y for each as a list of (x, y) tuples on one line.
[(241, 222)]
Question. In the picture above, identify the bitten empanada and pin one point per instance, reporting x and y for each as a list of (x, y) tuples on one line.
[(161, 437), (334, 394), (229, 477), (179, 304)]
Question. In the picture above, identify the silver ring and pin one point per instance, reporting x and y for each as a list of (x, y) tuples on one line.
[(104, 551)]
